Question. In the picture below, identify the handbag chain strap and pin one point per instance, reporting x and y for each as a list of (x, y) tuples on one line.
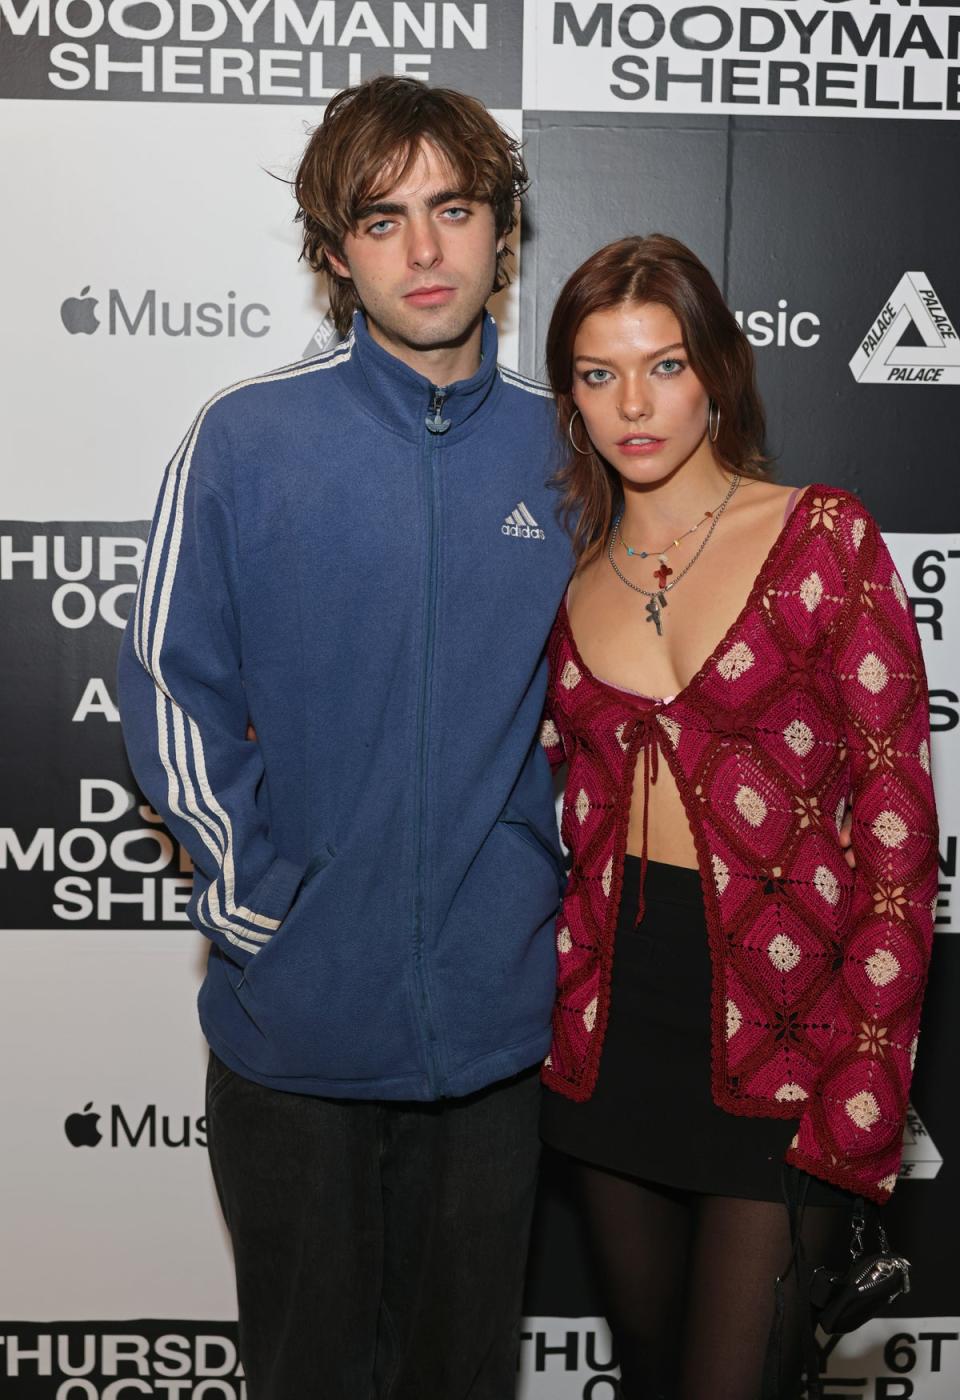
[(858, 1225)]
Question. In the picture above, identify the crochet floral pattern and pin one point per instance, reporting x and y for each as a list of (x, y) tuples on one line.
[(815, 696)]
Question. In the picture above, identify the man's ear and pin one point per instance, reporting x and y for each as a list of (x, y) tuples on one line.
[(341, 268)]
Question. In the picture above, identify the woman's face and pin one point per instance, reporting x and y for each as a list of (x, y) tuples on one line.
[(642, 405)]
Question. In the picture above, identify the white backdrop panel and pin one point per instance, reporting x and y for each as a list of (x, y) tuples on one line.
[(930, 568), (581, 56), (168, 206), (568, 1358), (128, 1225)]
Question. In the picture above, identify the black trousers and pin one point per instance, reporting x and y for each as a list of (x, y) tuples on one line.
[(380, 1247)]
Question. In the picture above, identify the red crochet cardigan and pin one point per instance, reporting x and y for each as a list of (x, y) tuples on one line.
[(815, 695)]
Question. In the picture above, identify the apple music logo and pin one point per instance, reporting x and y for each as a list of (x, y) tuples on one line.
[(79, 314), (81, 1128), (150, 1129), (152, 316)]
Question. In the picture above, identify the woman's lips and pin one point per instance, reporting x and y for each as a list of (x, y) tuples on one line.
[(640, 445)]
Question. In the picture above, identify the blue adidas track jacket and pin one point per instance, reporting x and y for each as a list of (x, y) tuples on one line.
[(366, 566)]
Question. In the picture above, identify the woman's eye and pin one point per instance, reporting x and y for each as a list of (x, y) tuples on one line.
[(670, 367), (591, 376)]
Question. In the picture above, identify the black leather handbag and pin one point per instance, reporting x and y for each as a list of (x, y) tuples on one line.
[(843, 1301), (836, 1301)]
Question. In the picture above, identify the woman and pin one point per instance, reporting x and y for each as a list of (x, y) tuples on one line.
[(735, 662)]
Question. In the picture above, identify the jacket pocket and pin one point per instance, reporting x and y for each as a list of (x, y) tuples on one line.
[(294, 915), (317, 862)]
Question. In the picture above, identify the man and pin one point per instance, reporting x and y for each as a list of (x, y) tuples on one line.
[(355, 561)]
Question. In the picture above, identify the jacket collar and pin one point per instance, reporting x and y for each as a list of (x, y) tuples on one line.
[(402, 399)]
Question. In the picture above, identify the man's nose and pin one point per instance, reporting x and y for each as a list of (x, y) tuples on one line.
[(424, 247)]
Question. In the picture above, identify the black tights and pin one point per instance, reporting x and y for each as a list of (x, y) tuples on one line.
[(689, 1285)]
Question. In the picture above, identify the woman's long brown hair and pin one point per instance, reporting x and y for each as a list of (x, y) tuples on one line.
[(652, 269)]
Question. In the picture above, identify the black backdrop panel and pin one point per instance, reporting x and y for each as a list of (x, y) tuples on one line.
[(817, 216), (787, 214), (653, 174), (78, 846)]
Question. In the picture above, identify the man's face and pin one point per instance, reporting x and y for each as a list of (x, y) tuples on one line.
[(423, 258)]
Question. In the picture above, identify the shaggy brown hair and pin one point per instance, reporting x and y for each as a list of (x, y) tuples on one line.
[(663, 270), (368, 140)]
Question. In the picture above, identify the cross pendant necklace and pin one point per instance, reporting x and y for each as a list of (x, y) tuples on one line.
[(657, 598), (654, 609)]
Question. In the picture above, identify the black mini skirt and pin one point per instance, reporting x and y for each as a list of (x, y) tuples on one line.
[(652, 1115)]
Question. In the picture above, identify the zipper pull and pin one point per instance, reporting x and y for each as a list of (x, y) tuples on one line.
[(437, 424)]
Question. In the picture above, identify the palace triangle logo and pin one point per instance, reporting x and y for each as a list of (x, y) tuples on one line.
[(912, 340)]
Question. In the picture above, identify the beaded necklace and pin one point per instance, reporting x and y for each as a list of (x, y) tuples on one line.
[(658, 596)]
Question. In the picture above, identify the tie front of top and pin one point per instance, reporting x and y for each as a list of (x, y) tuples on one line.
[(815, 697)]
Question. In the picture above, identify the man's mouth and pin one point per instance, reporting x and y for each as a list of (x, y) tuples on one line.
[(430, 296)]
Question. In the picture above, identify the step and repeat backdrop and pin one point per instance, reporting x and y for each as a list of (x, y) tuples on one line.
[(809, 153)]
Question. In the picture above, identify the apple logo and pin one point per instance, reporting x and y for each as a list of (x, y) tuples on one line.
[(79, 314), (81, 1128)]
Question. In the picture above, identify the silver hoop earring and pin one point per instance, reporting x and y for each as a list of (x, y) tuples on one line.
[(713, 431), (584, 452)]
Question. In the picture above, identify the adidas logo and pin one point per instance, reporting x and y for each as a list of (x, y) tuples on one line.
[(521, 525)]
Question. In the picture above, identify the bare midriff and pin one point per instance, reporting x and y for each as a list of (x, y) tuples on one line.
[(669, 838), (712, 597)]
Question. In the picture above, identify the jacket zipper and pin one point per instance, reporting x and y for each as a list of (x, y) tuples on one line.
[(436, 426)]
